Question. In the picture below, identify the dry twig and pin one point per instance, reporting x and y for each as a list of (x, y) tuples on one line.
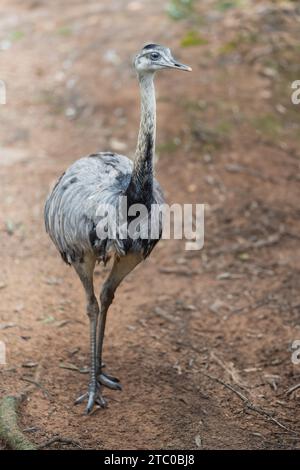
[(62, 440), (293, 389), (249, 403)]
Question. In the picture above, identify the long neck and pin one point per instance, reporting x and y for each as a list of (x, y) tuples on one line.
[(142, 174)]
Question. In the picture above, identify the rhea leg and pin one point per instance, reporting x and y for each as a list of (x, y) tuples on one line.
[(85, 272), (121, 267)]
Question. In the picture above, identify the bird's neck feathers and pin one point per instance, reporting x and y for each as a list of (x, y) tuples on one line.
[(142, 174)]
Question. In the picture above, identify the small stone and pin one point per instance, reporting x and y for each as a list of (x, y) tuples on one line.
[(117, 145), (269, 72), (30, 365), (70, 113), (5, 45), (207, 158), (265, 94), (280, 108), (192, 188), (198, 441), (112, 57)]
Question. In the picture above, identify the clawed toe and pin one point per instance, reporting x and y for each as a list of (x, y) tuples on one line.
[(109, 381), (93, 397), (101, 401), (81, 398)]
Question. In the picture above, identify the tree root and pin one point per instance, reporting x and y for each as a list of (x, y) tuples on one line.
[(9, 429), (10, 432)]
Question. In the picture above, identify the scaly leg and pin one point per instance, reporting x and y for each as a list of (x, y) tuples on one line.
[(85, 272), (121, 267)]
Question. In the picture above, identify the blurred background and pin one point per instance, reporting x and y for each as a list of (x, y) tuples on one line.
[(228, 136)]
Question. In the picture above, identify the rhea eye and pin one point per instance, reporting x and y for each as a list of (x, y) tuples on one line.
[(154, 55)]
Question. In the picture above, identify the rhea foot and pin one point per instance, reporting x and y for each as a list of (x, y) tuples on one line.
[(93, 396), (108, 380)]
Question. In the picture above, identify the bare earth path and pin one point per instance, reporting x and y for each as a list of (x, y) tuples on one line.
[(230, 310)]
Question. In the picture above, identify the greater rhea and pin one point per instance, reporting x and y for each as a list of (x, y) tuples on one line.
[(72, 215)]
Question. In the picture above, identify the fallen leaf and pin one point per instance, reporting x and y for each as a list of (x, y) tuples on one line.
[(62, 323), (49, 319), (69, 366), (29, 364), (4, 326), (198, 440)]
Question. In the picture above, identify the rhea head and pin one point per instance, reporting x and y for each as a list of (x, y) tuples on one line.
[(154, 57)]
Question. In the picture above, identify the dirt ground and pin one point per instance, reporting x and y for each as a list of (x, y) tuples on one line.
[(188, 330)]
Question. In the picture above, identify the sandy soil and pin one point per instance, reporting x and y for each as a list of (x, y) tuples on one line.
[(228, 136)]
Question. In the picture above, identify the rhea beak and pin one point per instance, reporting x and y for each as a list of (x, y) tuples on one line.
[(177, 65)]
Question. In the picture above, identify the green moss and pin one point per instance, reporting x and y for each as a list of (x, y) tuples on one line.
[(65, 31), (169, 146), (180, 9), (224, 127), (55, 102), (223, 5), (192, 105), (229, 47), (192, 38), (267, 124), (16, 35), (207, 138), (241, 39)]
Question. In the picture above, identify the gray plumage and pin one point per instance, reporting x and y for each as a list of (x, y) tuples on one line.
[(72, 217), (71, 209)]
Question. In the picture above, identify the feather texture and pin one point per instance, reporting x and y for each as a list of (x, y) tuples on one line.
[(71, 208)]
